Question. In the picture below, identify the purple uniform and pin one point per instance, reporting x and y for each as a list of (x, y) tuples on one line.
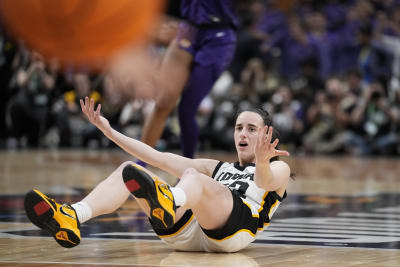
[(206, 12), (209, 35), (208, 46)]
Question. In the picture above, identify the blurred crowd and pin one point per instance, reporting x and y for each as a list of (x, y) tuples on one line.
[(328, 71)]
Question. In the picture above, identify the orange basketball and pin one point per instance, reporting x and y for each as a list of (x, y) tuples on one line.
[(78, 32)]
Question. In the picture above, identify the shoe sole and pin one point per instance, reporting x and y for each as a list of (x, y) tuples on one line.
[(141, 185), (40, 212)]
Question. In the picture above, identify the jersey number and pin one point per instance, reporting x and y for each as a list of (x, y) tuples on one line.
[(241, 187)]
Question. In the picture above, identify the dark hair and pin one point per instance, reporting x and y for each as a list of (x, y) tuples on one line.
[(263, 114), (267, 119)]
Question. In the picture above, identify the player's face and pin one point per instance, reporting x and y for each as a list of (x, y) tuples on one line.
[(246, 133)]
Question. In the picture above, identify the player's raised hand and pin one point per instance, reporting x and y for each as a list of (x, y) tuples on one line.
[(266, 149), (94, 116)]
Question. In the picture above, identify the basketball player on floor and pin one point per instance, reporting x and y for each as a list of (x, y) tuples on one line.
[(216, 206), (202, 50)]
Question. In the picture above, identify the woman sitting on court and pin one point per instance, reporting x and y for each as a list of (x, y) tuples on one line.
[(216, 206)]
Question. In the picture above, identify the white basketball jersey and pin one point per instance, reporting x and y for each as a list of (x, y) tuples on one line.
[(241, 179)]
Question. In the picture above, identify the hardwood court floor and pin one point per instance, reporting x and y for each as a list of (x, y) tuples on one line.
[(340, 211)]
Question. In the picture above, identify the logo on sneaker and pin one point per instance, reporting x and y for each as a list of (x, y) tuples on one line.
[(159, 214), (66, 213), (62, 235)]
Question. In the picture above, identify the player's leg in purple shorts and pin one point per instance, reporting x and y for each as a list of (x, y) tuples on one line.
[(201, 81)]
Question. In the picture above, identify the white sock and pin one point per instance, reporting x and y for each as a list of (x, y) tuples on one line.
[(179, 196), (83, 211)]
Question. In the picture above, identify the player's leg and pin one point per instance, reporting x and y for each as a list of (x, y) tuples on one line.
[(201, 80), (155, 193), (216, 58), (175, 70), (210, 201), (226, 220), (117, 193), (62, 221), (194, 191), (108, 195)]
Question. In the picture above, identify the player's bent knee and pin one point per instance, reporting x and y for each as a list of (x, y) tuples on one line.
[(189, 174), (190, 171)]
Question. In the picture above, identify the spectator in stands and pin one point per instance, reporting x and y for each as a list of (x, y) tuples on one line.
[(287, 116), (322, 119), (373, 116), (30, 108), (8, 51)]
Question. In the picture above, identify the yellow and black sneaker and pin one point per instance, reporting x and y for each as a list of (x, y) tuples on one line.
[(60, 221), (156, 192)]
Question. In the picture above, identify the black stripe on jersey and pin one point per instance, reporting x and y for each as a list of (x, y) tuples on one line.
[(240, 218), (217, 168), (278, 197), (269, 200)]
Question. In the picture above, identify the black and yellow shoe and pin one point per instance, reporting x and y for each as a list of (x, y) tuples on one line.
[(60, 221), (156, 192)]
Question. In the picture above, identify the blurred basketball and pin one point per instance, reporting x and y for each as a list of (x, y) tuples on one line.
[(80, 32)]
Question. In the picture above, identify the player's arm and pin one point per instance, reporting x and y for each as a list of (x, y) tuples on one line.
[(168, 162), (274, 175)]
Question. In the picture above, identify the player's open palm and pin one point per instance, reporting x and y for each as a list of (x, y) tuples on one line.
[(266, 149), (94, 115)]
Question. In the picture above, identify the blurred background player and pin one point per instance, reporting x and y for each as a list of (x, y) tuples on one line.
[(202, 49)]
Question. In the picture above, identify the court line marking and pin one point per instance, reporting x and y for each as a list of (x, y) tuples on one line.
[(334, 220), (368, 227), (334, 231), (321, 246), (371, 215)]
